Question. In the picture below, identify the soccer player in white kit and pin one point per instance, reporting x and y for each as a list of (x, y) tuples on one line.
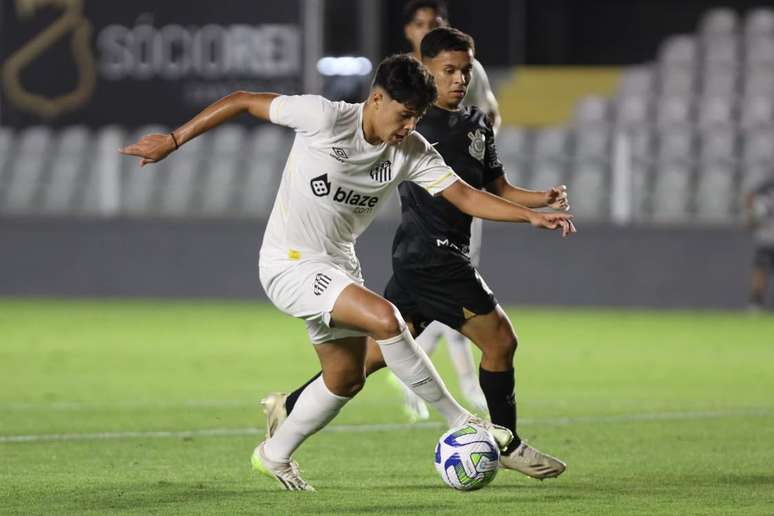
[(420, 17), (346, 159)]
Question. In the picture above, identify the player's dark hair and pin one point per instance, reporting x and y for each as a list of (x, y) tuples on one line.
[(407, 81), (411, 8), (445, 39)]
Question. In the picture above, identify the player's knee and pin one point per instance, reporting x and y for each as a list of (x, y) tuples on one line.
[(388, 321), (348, 385), (354, 386), (503, 347)]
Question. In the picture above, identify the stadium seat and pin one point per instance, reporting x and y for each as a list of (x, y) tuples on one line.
[(676, 81), (547, 173), (636, 81), (722, 50), (589, 190), (514, 153), (26, 171), (182, 193), (671, 193), (719, 81), (641, 142), (512, 141), (757, 148), (592, 110), (676, 144), (551, 142), (633, 110), (224, 171), (714, 110), (719, 21), (266, 156), (673, 110), (102, 193), (7, 147), (757, 111), (715, 193), (67, 170), (718, 145), (759, 83), (760, 53), (759, 22), (592, 142), (754, 174), (678, 51)]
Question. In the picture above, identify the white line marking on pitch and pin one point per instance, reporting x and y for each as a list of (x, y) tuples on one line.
[(210, 432)]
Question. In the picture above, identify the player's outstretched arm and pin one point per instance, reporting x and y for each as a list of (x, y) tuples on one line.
[(555, 197), (155, 147), (491, 207)]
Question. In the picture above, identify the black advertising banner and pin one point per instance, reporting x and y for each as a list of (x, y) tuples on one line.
[(100, 62)]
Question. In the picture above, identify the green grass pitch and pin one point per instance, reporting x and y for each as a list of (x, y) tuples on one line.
[(151, 408)]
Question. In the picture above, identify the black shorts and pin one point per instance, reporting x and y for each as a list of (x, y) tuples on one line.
[(450, 294), (764, 257)]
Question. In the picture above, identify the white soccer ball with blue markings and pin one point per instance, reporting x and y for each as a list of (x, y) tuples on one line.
[(467, 457)]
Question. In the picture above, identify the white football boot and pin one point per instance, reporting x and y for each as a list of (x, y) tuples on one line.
[(502, 435), (532, 462), (286, 473)]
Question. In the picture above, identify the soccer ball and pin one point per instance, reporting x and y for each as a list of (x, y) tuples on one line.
[(467, 457)]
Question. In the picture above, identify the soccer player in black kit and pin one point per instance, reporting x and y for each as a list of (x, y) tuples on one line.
[(433, 278)]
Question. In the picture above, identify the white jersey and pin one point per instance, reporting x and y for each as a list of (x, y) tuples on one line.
[(334, 181), (480, 92)]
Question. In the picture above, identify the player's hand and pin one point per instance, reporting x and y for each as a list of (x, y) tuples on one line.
[(151, 148), (556, 198), (561, 221)]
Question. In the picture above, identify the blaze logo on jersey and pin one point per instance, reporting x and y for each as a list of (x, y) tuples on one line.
[(320, 185), (382, 172), (321, 282), (477, 144)]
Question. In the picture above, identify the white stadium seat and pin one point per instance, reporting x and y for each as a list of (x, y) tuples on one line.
[(25, 173), (759, 22), (719, 21)]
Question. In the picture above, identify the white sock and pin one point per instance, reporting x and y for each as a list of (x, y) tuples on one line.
[(315, 408), (461, 357), (413, 367), (429, 339)]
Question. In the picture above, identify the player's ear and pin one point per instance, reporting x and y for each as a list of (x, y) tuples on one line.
[(377, 97)]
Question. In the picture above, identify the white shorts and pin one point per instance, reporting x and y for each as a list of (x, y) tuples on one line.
[(308, 289)]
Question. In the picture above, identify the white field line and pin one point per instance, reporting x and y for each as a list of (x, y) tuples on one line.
[(623, 418)]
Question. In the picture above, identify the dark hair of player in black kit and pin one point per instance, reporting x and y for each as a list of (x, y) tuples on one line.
[(411, 8), (407, 81), (445, 39)]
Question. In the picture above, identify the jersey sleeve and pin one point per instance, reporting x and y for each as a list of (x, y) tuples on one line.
[(493, 167), (306, 114), (427, 168)]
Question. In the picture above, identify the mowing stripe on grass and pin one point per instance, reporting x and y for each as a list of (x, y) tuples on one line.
[(209, 432)]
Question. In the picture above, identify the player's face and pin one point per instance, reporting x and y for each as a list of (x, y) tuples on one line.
[(394, 121), (451, 70), (425, 20)]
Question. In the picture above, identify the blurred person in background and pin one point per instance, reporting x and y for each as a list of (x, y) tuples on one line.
[(760, 216), (419, 18)]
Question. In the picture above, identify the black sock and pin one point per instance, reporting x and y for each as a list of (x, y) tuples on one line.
[(500, 398), (292, 398)]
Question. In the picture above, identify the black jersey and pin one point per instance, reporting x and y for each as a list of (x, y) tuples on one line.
[(432, 230)]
